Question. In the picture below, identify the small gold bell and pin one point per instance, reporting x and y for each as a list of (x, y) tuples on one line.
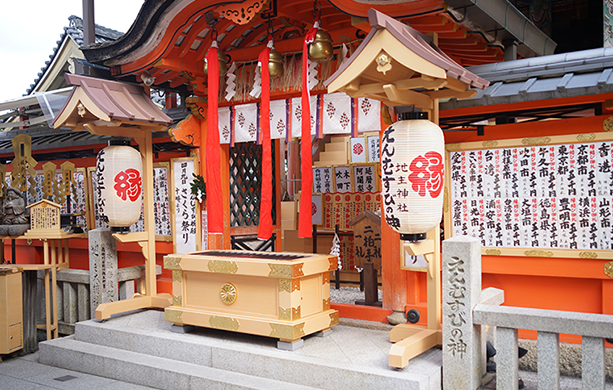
[(275, 64), (321, 50), (223, 65)]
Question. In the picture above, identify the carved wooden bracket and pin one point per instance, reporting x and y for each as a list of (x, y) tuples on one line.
[(242, 13)]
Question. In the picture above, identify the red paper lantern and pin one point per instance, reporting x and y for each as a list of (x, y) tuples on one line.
[(412, 176), (119, 169)]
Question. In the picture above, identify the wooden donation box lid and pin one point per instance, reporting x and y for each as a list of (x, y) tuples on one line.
[(44, 218), (280, 295)]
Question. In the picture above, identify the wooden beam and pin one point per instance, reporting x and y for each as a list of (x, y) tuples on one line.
[(448, 93), (354, 85), (421, 82), (130, 237), (457, 85), (354, 89), (404, 350), (408, 97), (105, 130)]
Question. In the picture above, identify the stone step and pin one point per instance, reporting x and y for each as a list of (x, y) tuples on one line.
[(147, 370), (350, 357)]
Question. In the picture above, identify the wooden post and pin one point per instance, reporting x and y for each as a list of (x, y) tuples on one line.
[(147, 150), (53, 299), (371, 291)]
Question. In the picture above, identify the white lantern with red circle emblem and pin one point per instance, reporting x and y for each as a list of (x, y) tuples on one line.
[(412, 173), (119, 170)]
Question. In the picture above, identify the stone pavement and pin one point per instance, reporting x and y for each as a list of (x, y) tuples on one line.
[(530, 382), (355, 342), (26, 373)]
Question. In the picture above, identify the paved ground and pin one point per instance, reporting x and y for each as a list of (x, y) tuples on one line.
[(529, 379), (25, 373)]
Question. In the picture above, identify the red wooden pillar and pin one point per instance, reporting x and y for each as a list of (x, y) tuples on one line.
[(218, 241), (293, 166)]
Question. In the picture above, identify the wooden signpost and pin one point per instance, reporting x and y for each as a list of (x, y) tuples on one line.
[(367, 234)]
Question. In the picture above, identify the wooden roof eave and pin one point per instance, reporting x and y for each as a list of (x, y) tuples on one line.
[(76, 108), (374, 43), (96, 102)]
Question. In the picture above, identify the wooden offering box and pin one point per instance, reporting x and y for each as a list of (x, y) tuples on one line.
[(280, 295)]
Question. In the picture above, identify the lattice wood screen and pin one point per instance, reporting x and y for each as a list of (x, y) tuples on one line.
[(245, 184)]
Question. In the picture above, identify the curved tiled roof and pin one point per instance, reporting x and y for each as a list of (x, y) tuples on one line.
[(74, 31), (587, 72)]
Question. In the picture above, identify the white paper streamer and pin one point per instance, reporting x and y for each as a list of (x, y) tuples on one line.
[(312, 74), (344, 51), (257, 84), (336, 250), (230, 84)]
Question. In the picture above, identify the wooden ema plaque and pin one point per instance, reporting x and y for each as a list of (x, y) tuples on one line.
[(280, 295), (44, 218)]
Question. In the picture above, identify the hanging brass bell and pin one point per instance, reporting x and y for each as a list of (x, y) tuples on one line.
[(321, 50), (275, 64), (223, 64)]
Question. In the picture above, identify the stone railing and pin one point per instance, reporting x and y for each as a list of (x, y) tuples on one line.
[(549, 323), (73, 293), (467, 310)]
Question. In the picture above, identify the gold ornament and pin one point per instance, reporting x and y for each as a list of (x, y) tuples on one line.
[(608, 269), (383, 63), (321, 50), (275, 64), (228, 293)]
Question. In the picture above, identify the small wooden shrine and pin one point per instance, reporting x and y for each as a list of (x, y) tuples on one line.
[(45, 219)]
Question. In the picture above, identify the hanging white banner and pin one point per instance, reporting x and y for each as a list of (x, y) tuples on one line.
[(337, 113), (278, 119), (369, 115), (245, 122), (225, 124), (297, 116)]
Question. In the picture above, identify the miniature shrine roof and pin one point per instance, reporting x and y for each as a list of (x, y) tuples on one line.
[(400, 65), (109, 101)]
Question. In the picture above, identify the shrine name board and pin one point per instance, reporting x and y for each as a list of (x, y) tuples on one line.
[(552, 195), (44, 216)]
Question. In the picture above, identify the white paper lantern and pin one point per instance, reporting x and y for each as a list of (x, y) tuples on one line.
[(119, 169), (412, 170)]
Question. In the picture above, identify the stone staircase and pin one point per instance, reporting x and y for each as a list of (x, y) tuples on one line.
[(140, 348), (336, 152)]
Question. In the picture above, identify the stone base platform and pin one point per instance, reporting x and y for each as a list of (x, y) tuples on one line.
[(140, 348)]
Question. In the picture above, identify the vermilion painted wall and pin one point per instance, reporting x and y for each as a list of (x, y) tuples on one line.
[(567, 284)]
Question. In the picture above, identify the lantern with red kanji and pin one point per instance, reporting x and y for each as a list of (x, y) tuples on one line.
[(412, 173), (119, 170)]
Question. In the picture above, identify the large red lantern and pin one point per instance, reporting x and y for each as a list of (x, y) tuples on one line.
[(119, 170), (412, 173)]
